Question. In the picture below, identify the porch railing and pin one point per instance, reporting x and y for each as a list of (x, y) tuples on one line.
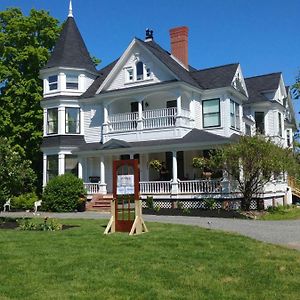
[(157, 118), (199, 186), (155, 187), (92, 188), (123, 122)]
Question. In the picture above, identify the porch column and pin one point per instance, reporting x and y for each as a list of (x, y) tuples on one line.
[(105, 119), (80, 169), (140, 114), (174, 183), (102, 184), (178, 106), (61, 120), (61, 164), (44, 170)]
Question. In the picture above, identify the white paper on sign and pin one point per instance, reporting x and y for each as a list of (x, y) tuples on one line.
[(125, 184)]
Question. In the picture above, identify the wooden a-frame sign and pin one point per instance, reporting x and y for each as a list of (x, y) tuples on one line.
[(126, 207)]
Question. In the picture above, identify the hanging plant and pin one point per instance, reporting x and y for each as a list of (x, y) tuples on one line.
[(155, 164), (199, 162)]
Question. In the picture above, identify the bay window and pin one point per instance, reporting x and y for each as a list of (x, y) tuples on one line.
[(72, 120), (53, 82), (52, 166), (211, 113), (234, 115), (71, 164), (72, 82), (52, 121)]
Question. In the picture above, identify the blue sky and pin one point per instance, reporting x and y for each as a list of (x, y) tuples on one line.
[(263, 35)]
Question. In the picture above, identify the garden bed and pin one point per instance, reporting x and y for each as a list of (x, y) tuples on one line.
[(11, 223), (217, 213)]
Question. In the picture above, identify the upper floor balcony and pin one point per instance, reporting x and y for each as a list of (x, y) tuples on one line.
[(149, 119)]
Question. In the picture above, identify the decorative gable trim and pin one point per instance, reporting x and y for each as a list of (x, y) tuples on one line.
[(238, 81), (121, 64)]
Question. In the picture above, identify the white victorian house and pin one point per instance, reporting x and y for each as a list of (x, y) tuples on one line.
[(150, 104)]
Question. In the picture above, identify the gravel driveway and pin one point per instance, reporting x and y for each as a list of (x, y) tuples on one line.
[(285, 233)]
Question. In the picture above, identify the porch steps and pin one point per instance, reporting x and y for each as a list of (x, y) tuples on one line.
[(100, 203)]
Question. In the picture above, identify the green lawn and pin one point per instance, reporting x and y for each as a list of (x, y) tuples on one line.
[(169, 262), (283, 213)]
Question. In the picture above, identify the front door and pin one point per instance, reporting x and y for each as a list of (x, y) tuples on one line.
[(125, 191)]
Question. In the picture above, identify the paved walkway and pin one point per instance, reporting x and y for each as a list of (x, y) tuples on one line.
[(285, 233)]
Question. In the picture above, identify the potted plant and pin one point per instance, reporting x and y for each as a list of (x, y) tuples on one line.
[(155, 164), (202, 164)]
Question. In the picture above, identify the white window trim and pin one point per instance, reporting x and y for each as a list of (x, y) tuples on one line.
[(235, 126)]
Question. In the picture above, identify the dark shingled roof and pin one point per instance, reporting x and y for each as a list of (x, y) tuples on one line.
[(194, 136), (216, 77), (259, 84), (63, 140), (165, 57), (70, 49), (91, 91)]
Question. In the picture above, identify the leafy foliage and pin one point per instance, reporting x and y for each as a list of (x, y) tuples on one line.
[(63, 193), (24, 201), (47, 225), (16, 174), (25, 46), (252, 162)]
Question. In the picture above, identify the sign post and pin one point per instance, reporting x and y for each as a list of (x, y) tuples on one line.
[(126, 208)]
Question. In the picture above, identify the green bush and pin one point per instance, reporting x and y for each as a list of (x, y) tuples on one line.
[(47, 225), (25, 201), (64, 193)]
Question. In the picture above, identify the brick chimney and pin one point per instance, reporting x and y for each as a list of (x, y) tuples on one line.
[(179, 43)]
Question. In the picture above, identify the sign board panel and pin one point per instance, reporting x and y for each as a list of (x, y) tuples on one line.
[(125, 184)]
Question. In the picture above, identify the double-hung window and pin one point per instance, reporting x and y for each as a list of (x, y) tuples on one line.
[(279, 124), (52, 166), (72, 120), (71, 164), (260, 122), (129, 74), (72, 82), (234, 115), (211, 113), (53, 82), (52, 121)]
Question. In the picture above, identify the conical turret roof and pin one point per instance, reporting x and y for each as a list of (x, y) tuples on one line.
[(70, 49)]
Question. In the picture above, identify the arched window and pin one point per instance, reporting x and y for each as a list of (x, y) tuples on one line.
[(139, 71)]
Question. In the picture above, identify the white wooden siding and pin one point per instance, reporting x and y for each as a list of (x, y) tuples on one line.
[(93, 119)]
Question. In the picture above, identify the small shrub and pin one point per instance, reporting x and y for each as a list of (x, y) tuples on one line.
[(210, 204), (186, 211), (25, 201), (156, 208), (47, 225), (149, 202), (63, 193), (179, 205)]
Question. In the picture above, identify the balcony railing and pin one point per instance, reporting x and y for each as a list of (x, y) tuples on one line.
[(155, 187), (199, 186), (155, 118)]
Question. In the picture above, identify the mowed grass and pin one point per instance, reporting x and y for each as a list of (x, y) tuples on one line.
[(169, 262), (283, 213)]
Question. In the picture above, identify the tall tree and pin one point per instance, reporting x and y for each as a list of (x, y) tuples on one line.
[(25, 45), (252, 162)]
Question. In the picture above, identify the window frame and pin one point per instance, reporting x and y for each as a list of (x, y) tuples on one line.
[(140, 67), (73, 171), (280, 127), (235, 115), (219, 113), (48, 170), (77, 123), (53, 83), (47, 129), (256, 128), (76, 82)]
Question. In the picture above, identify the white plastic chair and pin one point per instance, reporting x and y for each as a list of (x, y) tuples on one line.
[(6, 204), (36, 205)]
